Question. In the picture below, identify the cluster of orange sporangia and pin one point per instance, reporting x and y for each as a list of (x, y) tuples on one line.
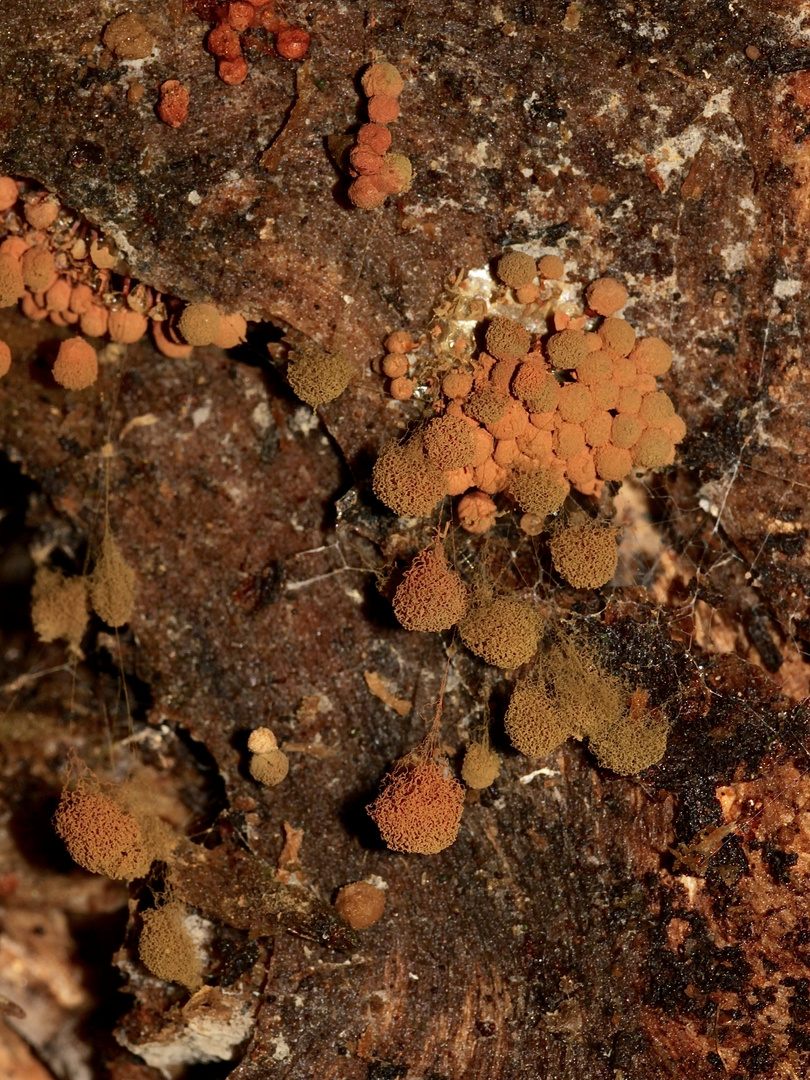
[(396, 365), (565, 693), (528, 418), (378, 171), (231, 36), (535, 417), (57, 267)]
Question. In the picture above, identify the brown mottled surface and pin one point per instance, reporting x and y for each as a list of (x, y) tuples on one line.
[(560, 937)]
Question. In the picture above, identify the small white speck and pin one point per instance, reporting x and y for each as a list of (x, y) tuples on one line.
[(304, 420), (789, 287), (199, 416), (261, 416), (281, 1049), (528, 777), (194, 198)]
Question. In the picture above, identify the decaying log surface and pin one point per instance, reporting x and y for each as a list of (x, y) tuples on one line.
[(583, 925)]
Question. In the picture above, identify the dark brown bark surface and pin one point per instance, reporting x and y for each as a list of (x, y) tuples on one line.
[(583, 925)]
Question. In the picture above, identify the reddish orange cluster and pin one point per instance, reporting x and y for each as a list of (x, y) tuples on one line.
[(378, 171), (60, 269), (574, 409), (395, 365), (173, 104), (235, 19)]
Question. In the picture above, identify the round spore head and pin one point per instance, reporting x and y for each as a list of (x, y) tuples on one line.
[(618, 335), (541, 492), (100, 836), (431, 597), (585, 555), (270, 768), (76, 364), (534, 722), (382, 78), (166, 947), (112, 585), (200, 324), (606, 296), (654, 450), (318, 376), (449, 442), (613, 462), (360, 904), (656, 409), (406, 481), (481, 767), (516, 268), (551, 267), (567, 349), (418, 809), (59, 607), (631, 744), (503, 631), (506, 339), (652, 355)]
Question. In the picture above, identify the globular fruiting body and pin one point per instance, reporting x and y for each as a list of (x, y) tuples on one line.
[(585, 555), (128, 37), (76, 365), (101, 836), (270, 768), (166, 947), (516, 268), (318, 376), (606, 296), (431, 597), (112, 583), (541, 492), (506, 338), (477, 512), (502, 630), (534, 722), (449, 442), (634, 741), (59, 607), (481, 767), (174, 101), (12, 285), (360, 904), (405, 481), (418, 809), (200, 324), (292, 43)]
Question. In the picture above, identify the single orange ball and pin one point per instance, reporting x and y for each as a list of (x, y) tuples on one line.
[(376, 137), (233, 72), (360, 904), (364, 195), (382, 109), (76, 365), (292, 43), (606, 296), (9, 192)]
